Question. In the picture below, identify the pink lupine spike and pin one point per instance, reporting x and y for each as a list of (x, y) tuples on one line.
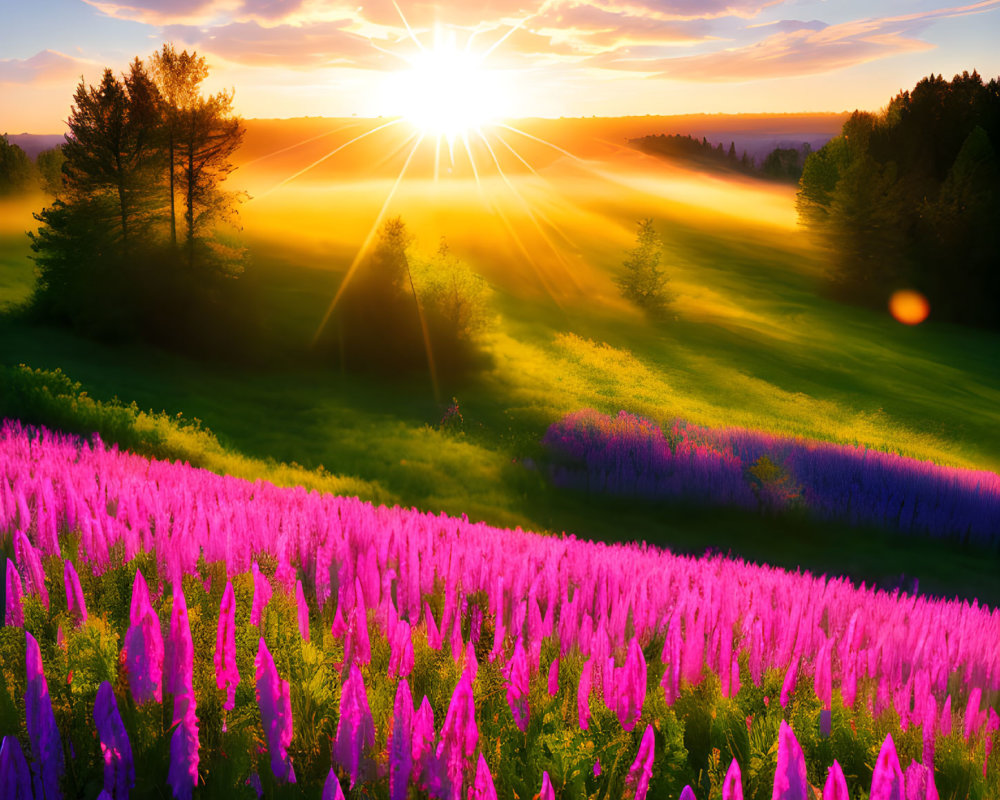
[(144, 646), (992, 727), (459, 735), (790, 778), (433, 634), (471, 662), (302, 609), (687, 793), (180, 649), (554, 677), (274, 701), (836, 785), (973, 717), (483, 788), (15, 779), (119, 768), (74, 594), (339, 627), (632, 691), (732, 788), (641, 770), (331, 788), (401, 742), (226, 674), (516, 673), (945, 725), (823, 681), (355, 728), (46, 746), (919, 782), (183, 772), (887, 779), (547, 792), (425, 764), (930, 719), (788, 686), (401, 651), (583, 694), (14, 612), (30, 564), (261, 595), (456, 638)]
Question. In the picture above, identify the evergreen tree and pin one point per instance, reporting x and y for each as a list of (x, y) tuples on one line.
[(49, 164), (643, 281), (16, 172)]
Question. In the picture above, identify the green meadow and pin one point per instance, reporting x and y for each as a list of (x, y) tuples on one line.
[(750, 341)]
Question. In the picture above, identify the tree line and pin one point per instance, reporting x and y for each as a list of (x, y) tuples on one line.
[(130, 245), (910, 198), (18, 173), (781, 164)]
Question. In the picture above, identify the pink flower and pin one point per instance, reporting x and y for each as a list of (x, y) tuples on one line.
[(483, 788), (790, 778), (547, 792), (119, 770), (226, 675), (303, 611), (554, 677), (732, 788), (642, 768), (261, 595), (355, 728), (183, 773), (836, 784), (144, 646), (331, 788), (887, 779), (14, 613), (459, 735), (583, 694), (517, 685), (74, 594), (274, 701), (401, 742)]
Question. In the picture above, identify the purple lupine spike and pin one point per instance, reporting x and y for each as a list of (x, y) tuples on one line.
[(226, 675), (74, 594), (517, 685), (104, 795), (919, 781), (29, 562), (425, 766), (15, 779), (261, 595), (302, 609), (687, 793), (483, 788), (642, 768), (554, 677), (254, 783), (401, 742), (732, 788), (547, 792), (14, 612), (790, 778), (355, 728), (459, 735), (274, 701), (583, 694), (119, 769), (836, 784), (183, 772), (887, 779), (144, 646), (331, 788), (46, 746), (401, 651)]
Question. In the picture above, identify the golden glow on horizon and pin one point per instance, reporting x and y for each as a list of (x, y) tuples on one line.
[(909, 307), (447, 91)]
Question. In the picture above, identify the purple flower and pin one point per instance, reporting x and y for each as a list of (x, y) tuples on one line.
[(887, 779), (732, 788), (46, 746), (482, 787), (355, 728), (554, 677), (642, 768), (15, 779), (583, 694), (790, 781), (144, 646), (14, 613), (261, 595), (597, 768), (836, 784), (331, 788), (687, 793), (459, 734), (274, 701), (183, 772), (30, 564), (119, 770), (425, 765), (919, 782), (401, 651), (401, 742), (226, 675)]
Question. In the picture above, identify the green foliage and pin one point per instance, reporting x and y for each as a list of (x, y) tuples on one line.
[(50, 163), (644, 282), (909, 198), (17, 174)]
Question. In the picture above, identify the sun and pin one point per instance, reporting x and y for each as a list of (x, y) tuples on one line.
[(447, 90)]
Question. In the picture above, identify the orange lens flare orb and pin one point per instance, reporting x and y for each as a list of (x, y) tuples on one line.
[(909, 307)]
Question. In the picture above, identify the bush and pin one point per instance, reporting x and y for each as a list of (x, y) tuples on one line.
[(643, 282)]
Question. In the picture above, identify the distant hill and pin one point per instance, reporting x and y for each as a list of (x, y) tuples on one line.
[(35, 143)]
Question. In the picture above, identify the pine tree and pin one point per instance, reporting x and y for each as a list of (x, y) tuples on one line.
[(643, 282)]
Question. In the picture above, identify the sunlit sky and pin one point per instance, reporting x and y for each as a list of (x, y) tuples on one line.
[(289, 58)]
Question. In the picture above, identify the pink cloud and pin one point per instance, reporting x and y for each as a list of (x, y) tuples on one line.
[(48, 66)]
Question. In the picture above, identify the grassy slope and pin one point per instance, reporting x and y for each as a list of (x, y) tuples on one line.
[(752, 345)]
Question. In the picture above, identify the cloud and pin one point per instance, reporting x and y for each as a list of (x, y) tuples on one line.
[(48, 66), (163, 12), (802, 48)]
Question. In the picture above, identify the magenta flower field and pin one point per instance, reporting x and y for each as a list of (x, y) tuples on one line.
[(171, 630)]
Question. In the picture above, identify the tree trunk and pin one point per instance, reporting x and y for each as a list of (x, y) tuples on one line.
[(190, 191), (170, 159)]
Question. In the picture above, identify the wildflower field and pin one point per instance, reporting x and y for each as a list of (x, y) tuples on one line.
[(170, 631)]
